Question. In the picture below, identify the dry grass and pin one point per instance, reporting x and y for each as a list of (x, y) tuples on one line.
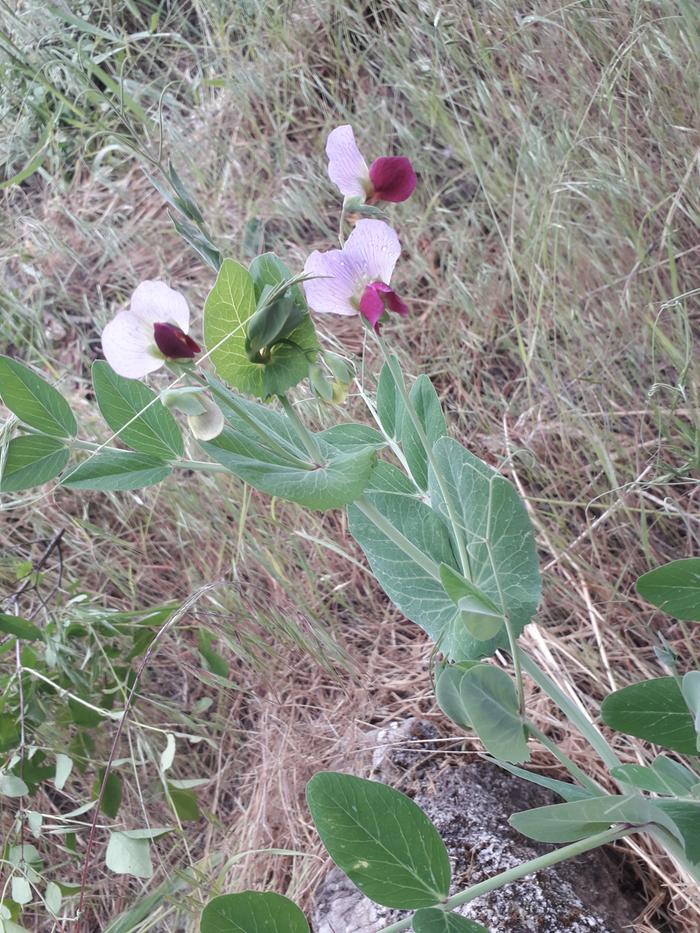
[(551, 255)]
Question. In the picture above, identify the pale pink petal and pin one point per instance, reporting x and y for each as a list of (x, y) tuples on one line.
[(128, 346), (374, 247), (156, 302), (339, 280), (346, 167)]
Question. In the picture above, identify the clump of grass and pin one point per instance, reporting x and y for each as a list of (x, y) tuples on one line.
[(551, 253)]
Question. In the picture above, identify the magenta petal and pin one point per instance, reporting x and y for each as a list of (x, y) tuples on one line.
[(395, 303), (371, 304), (174, 343), (393, 178)]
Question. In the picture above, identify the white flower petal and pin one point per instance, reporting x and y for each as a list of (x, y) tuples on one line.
[(128, 346), (341, 280), (155, 302), (346, 167), (374, 247)]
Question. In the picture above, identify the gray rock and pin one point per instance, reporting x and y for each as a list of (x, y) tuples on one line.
[(470, 802)]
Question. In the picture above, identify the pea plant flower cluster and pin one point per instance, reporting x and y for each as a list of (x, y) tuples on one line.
[(444, 533)]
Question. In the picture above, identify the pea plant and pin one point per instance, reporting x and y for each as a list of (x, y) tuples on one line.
[(447, 537)]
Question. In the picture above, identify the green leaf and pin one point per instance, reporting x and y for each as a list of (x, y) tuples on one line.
[(390, 407), (214, 661), (21, 628), (479, 614), (675, 588), (53, 898), (352, 436), (34, 401), (435, 920), (677, 778), (252, 912), (12, 786), (229, 306), (641, 777), (135, 413), (383, 842), (340, 479), (127, 855), (418, 593), (112, 797), (184, 803), (567, 822), (21, 890), (431, 418), (448, 693), (31, 460), (64, 766), (686, 818), (690, 688), (497, 534), (117, 471), (653, 710), (491, 704)]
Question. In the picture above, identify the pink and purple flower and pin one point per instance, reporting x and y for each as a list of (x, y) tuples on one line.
[(389, 178), (153, 329), (355, 279)]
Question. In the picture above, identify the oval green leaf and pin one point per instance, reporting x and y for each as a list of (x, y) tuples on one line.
[(381, 839), (252, 912), (135, 413), (32, 460), (128, 855), (116, 471), (20, 628), (567, 822), (675, 588), (491, 705), (434, 920), (654, 710), (686, 818), (34, 401)]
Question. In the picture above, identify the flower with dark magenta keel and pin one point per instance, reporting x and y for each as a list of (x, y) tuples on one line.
[(355, 279), (153, 329), (389, 178)]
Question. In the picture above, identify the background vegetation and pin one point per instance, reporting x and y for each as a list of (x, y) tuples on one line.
[(550, 256)]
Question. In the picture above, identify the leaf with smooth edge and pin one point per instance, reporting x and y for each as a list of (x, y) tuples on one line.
[(434, 920), (479, 614), (339, 479), (21, 890), (491, 703), (641, 777), (116, 471), (228, 306), (686, 819), (497, 534), (12, 786), (675, 588), (352, 437), (127, 855), (383, 842), (690, 688), (20, 628), (567, 822), (135, 413), (427, 407), (448, 694), (677, 777), (34, 401), (32, 460), (419, 595), (252, 912), (653, 710), (64, 766), (390, 406)]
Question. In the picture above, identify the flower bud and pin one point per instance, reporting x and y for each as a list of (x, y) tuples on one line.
[(208, 425), (186, 399)]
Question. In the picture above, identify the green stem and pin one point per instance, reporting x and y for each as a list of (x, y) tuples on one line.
[(206, 466), (413, 415), (303, 433), (570, 765), (571, 710), (393, 534), (521, 871)]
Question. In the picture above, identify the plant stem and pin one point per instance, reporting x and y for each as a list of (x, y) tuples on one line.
[(572, 712), (413, 415), (393, 534), (205, 465), (521, 871), (303, 433)]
